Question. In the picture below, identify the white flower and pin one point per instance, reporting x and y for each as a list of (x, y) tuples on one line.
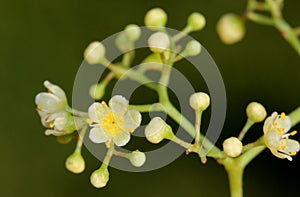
[(113, 122), (51, 107), (276, 137), (53, 101)]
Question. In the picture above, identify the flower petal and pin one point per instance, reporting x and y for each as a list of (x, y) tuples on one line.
[(281, 155), (132, 120), (56, 90), (118, 104), (48, 102), (284, 123), (96, 112), (97, 135), (269, 122), (292, 146), (122, 138), (271, 139)]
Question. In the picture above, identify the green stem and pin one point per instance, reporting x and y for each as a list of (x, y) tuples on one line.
[(127, 58), (260, 19), (296, 31), (147, 108), (108, 156), (80, 140), (235, 177), (198, 115), (245, 129), (275, 8)]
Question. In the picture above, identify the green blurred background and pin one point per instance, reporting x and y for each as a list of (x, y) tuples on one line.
[(45, 39)]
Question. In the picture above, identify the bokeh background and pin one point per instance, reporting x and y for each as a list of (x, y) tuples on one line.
[(45, 39)]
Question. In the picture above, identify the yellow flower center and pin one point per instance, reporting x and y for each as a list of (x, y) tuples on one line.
[(112, 123)]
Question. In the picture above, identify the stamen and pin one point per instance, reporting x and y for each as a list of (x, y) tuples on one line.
[(293, 153), (282, 145), (282, 116), (39, 107), (293, 133), (89, 121), (51, 124), (275, 124)]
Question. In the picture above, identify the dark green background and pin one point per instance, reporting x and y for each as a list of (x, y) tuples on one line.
[(45, 39)]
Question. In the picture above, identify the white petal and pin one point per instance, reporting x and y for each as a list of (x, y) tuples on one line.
[(56, 90), (48, 102), (97, 135), (118, 104), (272, 140), (285, 123), (280, 155), (132, 120), (96, 112), (122, 138), (269, 122), (292, 146), (55, 132)]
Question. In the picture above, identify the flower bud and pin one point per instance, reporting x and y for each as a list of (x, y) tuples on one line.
[(155, 18), (99, 178), (97, 91), (159, 42), (192, 48), (232, 147), (157, 130), (196, 21), (75, 163), (256, 112), (199, 101), (137, 158), (231, 28), (133, 32), (94, 53)]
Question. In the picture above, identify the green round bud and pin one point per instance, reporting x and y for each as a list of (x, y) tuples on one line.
[(199, 101), (94, 52), (155, 18), (256, 112), (196, 21), (97, 90), (231, 28), (137, 158), (232, 147), (75, 163), (157, 130), (99, 178), (192, 48), (159, 42), (133, 32)]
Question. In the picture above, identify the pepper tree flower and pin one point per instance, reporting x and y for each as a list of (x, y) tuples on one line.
[(276, 137), (51, 107), (113, 122)]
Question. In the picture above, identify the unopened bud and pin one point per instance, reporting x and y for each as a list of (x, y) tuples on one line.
[(159, 42), (192, 48), (97, 90), (137, 158), (196, 21), (94, 53), (155, 18), (232, 147), (75, 163), (231, 28), (157, 130), (99, 178), (199, 101), (256, 112)]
